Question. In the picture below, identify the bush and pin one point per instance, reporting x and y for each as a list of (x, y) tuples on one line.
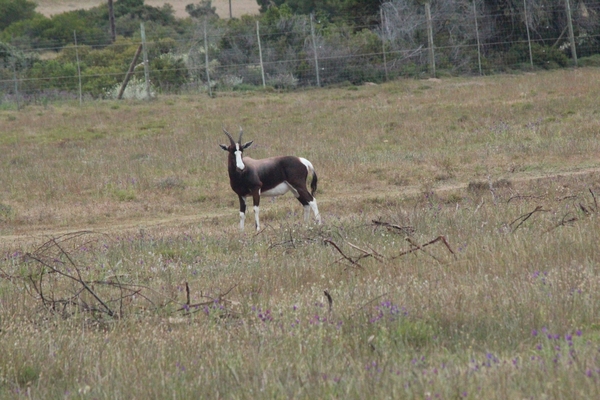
[(543, 56)]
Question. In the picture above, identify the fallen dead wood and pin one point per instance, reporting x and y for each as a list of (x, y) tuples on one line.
[(329, 300), (219, 301), (407, 230), (55, 278), (416, 246), (587, 209), (525, 217), (372, 253), (566, 219), (353, 261)]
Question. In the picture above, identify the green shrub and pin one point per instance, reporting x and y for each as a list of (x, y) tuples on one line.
[(543, 56)]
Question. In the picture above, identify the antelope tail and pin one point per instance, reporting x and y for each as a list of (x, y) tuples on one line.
[(313, 184)]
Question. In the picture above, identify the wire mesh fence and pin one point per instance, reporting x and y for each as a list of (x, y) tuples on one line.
[(408, 39)]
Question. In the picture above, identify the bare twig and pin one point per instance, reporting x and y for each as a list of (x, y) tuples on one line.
[(213, 300), (595, 201), (416, 247), (373, 254), (367, 303), (566, 219), (329, 300), (522, 197), (60, 284), (187, 294), (407, 230), (525, 217), (350, 260)]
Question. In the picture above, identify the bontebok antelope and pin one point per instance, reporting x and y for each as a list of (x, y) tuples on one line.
[(268, 177)]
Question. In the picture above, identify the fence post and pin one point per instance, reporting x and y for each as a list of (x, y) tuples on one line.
[(571, 34), (78, 66), (146, 66), (262, 67), (528, 37), (16, 80), (129, 72), (477, 36), (430, 38), (312, 33), (383, 43), (111, 21), (206, 60)]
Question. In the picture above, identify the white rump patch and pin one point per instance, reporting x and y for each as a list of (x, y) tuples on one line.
[(308, 164)]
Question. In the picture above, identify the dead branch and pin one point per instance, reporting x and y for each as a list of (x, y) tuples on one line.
[(525, 217), (523, 197), (58, 281), (345, 257), (329, 300), (573, 196), (372, 253), (416, 246), (220, 299), (367, 303), (294, 242), (566, 219), (584, 209), (407, 230), (595, 201)]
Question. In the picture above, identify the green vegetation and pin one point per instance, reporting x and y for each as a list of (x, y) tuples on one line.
[(457, 258), (39, 52)]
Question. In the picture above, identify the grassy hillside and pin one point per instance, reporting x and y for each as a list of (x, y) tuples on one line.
[(457, 258)]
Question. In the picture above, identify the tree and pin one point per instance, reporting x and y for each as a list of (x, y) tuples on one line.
[(202, 9), (357, 11), (14, 11)]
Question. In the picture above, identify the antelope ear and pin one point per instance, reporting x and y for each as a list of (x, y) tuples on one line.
[(246, 145), (223, 147)]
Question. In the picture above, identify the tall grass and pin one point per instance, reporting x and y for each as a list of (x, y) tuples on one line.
[(502, 167)]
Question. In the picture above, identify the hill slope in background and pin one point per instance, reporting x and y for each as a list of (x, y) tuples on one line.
[(238, 7)]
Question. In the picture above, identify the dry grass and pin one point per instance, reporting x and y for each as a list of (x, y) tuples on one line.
[(504, 167)]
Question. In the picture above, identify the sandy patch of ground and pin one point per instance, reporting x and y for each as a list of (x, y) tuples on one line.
[(238, 7)]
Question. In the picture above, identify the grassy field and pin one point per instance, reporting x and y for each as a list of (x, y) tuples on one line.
[(457, 258)]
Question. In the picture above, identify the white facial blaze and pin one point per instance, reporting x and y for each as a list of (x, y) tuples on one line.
[(238, 157)]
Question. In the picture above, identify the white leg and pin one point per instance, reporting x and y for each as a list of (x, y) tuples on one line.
[(256, 218), (242, 219), (306, 212), (242, 214), (313, 205)]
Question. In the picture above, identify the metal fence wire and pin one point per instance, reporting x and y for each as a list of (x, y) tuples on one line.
[(409, 39)]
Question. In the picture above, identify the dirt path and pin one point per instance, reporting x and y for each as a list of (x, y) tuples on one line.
[(135, 225)]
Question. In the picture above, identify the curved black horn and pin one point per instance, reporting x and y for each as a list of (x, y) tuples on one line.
[(241, 133), (229, 136)]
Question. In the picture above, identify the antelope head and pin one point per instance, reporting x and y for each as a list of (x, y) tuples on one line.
[(236, 149)]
